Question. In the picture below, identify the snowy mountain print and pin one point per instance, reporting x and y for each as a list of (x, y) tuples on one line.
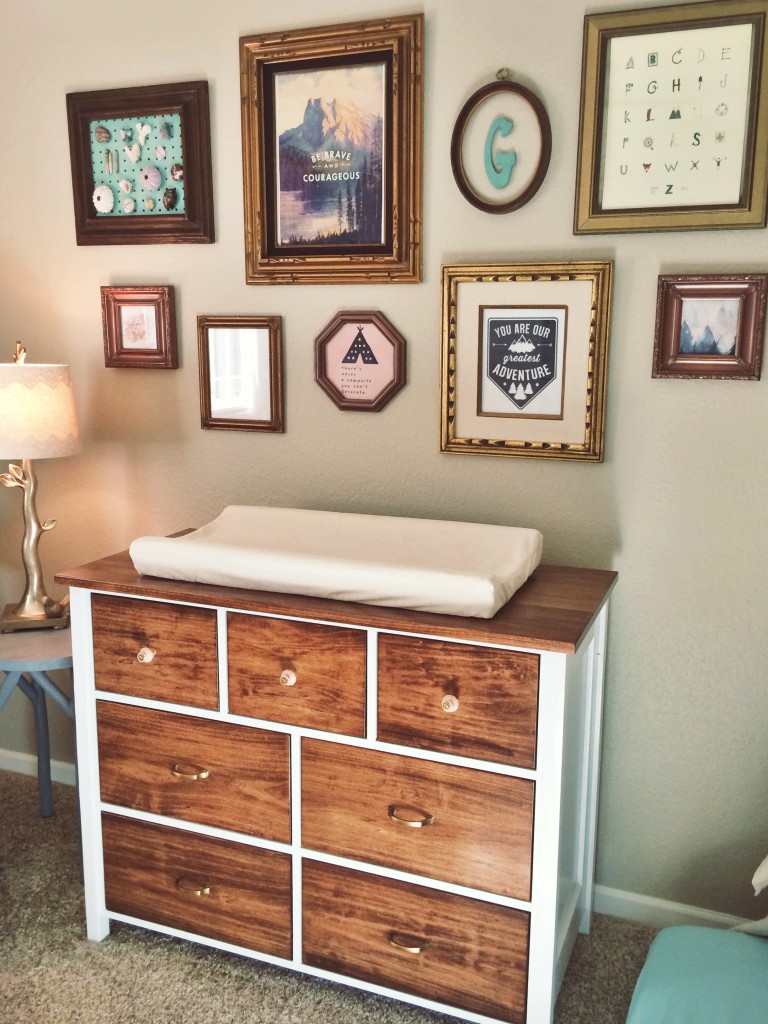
[(709, 327)]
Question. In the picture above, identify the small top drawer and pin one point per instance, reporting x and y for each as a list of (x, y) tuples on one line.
[(155, 650), (301, 673), (457, 698)]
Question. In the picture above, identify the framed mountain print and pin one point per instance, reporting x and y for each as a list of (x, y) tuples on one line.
[(332, 157)]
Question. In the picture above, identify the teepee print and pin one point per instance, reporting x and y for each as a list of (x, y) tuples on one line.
[(360, 349)]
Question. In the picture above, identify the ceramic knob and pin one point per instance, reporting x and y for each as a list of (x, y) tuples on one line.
[(449, 703), (287, 677), (145, 655)]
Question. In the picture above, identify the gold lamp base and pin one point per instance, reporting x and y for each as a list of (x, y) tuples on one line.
[(11, 621)]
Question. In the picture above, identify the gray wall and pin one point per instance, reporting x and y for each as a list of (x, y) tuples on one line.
[(676, 508)]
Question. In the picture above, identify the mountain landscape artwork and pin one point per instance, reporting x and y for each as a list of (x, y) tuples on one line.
[(330, 156), (709, 326)]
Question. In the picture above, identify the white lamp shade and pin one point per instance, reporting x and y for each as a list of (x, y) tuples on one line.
[(38, 419)]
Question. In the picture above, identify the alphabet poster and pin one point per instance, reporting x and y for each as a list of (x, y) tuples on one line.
[(675, 118)]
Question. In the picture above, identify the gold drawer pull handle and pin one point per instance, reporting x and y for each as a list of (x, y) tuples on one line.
[(421, 819), (146, 654), (193, 772), (407, 943), (449, 703), (287, 677), (192, 888)]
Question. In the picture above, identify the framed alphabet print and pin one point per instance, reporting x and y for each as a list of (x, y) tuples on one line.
[(710, 325), (332, 153), (674, 118), (241, 373), (524, 359), (139, 327), (360, 360), (141, 165), (501, 146)]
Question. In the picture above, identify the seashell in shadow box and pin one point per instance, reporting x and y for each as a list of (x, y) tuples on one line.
[(132, 152), (125, 185), (103, 198), (165, 131), (177, 172), (169, 198), (151, 178), (129, 204), (102, 133)]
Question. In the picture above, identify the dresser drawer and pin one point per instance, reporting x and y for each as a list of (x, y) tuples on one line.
[(155, 650), (377, 808), (221, 890), (228, 776), (463, 952), (458, 698), (301, 673)]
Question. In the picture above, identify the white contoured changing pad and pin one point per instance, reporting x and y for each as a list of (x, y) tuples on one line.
[(429, 565)]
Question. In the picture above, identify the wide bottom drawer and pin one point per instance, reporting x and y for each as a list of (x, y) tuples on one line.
[(214, 888), (460, 951)]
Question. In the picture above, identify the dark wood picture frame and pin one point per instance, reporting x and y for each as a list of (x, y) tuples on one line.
[(108, 164), (139, 327), (724, 338), (481, 411), (346, 352), (373, 232), (251, 365), (516, 173), (670, 140)]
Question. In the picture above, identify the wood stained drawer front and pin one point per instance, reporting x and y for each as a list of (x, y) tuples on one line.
[(459, 825), (457, 698), (463, 952), (221, 890), (228, 776), (155, 650), (300, 673)]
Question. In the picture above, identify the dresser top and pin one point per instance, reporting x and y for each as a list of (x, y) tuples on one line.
[(552, 611)]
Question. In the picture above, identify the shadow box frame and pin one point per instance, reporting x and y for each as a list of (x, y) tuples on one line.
[(395, 46), (153, 309), (570, 305), (628, 108), (274, 422), (388, 348), (748, 291), (186, 100)]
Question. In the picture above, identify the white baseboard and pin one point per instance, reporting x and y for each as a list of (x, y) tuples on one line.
[(657, 913), (26, 764)]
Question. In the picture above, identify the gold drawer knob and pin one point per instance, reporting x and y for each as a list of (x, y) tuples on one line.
[(146, 654), (287, 677), (192, 888), (410, 816), (449, 703), (193, 772), (407, 943)]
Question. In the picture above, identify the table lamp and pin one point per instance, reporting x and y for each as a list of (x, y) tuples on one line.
[(37, 421)]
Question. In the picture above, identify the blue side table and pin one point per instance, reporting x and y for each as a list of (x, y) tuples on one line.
[(26, 658)]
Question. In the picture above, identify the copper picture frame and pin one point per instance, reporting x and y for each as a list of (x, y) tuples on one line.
[(139, 327)]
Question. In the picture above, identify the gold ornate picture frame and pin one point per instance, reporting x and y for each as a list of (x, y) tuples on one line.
[(338, 204), (524, 359), (674, 119)]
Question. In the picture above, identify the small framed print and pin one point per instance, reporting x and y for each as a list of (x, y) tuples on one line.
[(241, 373), (139, 327), (674, 118), (360, 361), (332, 153), (710, 325), (501, 146), (141, 164), (524, 359)]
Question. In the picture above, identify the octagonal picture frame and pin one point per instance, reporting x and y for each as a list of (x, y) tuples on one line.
[(360, 360)]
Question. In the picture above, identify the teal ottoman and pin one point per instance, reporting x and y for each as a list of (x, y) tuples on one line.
[(697, 975)]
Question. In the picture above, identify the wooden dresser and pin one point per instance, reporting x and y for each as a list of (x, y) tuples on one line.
[(399, 801)]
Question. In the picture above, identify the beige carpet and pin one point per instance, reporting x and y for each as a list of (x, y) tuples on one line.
[(49, 973)]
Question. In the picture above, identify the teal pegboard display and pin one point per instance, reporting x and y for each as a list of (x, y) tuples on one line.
[(138, 167)]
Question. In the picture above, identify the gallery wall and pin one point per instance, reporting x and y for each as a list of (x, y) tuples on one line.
[(677, 505)]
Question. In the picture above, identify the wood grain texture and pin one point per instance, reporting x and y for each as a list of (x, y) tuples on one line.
[(249, 902), (483, 823), (328, 663), (496, 690), (246, 788), (184, 668), (477, 953), (552, 611)]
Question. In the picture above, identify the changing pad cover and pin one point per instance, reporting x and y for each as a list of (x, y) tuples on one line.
[(429, 565)]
